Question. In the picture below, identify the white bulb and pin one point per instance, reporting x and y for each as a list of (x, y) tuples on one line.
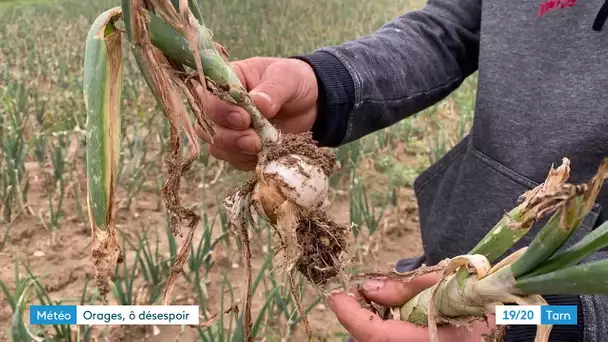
[(307, 184)]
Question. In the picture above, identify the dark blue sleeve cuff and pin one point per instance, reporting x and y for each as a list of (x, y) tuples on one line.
[(559, 333), (336, 97)]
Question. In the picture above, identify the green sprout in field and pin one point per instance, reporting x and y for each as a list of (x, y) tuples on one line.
[(30, 286), (14, 180)]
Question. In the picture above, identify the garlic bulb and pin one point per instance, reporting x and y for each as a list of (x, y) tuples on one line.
[(294, 178)]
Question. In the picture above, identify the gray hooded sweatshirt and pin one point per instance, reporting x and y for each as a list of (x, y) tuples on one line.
[(542, 83)]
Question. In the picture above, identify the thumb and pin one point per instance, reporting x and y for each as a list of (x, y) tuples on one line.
[(389, 292), (275, 89)]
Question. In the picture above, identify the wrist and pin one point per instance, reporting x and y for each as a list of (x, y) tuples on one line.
[(335, 97), (312, 87)]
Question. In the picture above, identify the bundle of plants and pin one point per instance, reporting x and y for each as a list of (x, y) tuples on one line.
[(471, 287), (177, 56)]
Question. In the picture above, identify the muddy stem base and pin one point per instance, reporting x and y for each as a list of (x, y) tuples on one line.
[(106, 254)]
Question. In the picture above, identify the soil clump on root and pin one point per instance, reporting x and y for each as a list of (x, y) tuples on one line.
[(323, 243), (318, 242), (301, 144), (289, 190), (106, 254)]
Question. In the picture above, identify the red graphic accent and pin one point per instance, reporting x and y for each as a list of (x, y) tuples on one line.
[(550, 5)]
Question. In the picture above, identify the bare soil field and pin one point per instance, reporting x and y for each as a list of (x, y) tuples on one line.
[(64, 264)]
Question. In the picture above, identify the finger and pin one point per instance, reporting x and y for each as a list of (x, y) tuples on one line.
[(244, 166), (394, 293), (240, 142), (274, 89), (228, 115), (247, 71), (237, 160), (223, 113), (232, 157), (364, 325)]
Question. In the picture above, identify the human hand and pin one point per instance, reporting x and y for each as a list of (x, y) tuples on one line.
[(363, 325), (285, 90)]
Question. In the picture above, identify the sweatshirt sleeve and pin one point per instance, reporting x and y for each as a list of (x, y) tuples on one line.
[(406, 66)]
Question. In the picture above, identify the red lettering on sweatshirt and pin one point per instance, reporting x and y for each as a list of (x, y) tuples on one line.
[(550, 5)]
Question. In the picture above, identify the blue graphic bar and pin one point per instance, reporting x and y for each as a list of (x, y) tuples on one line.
[(558, 314), (114, 314), (536, 314), (53, 314)]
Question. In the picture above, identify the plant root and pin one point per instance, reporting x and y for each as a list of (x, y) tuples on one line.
[(296, 298), (178, 213), (234, 308), (247, 324), (322, 244), (106, 254), (313, 245), (309, 241), (237, 204)]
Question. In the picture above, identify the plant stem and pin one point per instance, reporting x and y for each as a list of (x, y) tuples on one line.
[(268, 133), (215, 68), (585, 279), (552, 237), (502, 236), (549, 239), (590, 244), (518, 222)]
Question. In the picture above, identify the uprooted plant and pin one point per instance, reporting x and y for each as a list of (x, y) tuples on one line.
[(470, 286), (177, 56)]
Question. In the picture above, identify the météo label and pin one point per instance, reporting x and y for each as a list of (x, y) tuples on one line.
[(114, 314), (536, 314)]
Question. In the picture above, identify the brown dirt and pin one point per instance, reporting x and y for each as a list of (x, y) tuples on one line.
[(64, 266), (320, 241), (302, 144), (311, 242), (323, 243)]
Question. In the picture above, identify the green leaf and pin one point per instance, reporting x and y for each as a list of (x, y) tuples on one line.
[(585, 279), (102, 87), (550, 239), (591, 243)]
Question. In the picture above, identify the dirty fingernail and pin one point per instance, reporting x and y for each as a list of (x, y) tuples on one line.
[(248, 144), (370, 285), (234, 119)]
